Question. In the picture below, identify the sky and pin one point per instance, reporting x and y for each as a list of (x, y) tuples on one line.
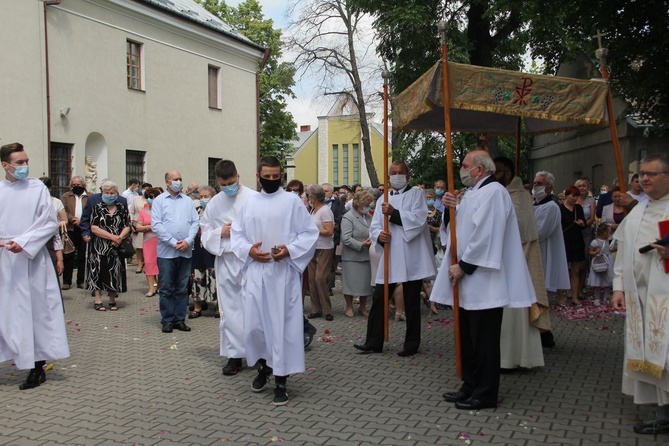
[(308, 104)]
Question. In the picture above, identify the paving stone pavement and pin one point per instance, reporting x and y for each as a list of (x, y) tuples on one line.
[(127, 383)]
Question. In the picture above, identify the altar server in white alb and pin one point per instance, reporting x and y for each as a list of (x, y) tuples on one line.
[(411, 258), (491, 274), (32, 326), (641, 286), (547, 213), (216, 223), (275, 237)]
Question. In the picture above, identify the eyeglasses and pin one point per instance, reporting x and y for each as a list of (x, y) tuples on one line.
[(644, 173)]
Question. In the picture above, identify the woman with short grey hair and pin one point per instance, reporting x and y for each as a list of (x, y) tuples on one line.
[(105, 269), (355, 243)]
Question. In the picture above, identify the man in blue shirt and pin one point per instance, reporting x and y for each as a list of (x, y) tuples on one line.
[(175, 221)]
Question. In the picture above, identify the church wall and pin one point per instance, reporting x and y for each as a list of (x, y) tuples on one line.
[(22, 84), (170, 119)]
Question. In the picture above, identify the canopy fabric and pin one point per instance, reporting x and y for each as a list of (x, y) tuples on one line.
[(490, 100)]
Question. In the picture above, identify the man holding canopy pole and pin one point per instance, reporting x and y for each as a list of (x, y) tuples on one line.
[(491, 274), (411, 258)]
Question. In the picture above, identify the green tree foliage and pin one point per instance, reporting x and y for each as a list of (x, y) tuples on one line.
[(276, 80), (498, 33), (637, 38)]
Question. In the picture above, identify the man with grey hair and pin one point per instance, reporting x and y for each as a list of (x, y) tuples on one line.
[(74, 201), (338, 210), (488, 274), (551, 242)]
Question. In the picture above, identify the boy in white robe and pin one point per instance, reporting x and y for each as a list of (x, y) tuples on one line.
[(411, 258), (489, 275), (32, 326), (215, 223), (275, 238), (641, 287)]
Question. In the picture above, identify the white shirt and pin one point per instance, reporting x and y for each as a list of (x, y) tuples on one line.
[(78, 207)]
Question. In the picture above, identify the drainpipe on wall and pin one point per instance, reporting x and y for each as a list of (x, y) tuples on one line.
[(260, 68), (48, 90)]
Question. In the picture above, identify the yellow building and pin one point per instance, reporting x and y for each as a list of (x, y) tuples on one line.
[(333, 152)]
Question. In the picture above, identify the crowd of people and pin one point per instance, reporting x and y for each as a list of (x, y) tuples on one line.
[(220, 249)]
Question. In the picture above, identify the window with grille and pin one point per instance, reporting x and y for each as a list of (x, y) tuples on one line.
[(214, 80), (134, 165), (356, 163), (60, 168), (134, 62), (335, 164), (344, 148), (211, 172)]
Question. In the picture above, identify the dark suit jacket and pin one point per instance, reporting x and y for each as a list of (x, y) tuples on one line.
[(602, 201), (85, 223), (70, 203), (338, 210)]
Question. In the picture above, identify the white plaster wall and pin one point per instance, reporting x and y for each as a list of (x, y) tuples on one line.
[(171, 120), (22, 83)]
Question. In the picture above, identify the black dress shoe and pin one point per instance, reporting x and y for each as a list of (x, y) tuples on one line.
[(475, 404), (404, 353), (314, 315), (167, 328), (367, 350), (454, 397), (34, 379), (652, 426), (181, 326)]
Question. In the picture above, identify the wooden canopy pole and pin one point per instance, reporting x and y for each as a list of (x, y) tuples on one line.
[(601, 55), (443, 26), (386, 246)]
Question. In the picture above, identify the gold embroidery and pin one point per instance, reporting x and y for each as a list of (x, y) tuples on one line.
[(641, 366), (633, 323), (657, 324)]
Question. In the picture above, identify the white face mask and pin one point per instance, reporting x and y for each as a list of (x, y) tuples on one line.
[(398, 182), (539, 193), (365, 210), (603, 191), (466, 177)]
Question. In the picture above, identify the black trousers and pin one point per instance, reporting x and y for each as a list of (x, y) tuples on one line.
[(78, 258), (480, 331), (411, 292)]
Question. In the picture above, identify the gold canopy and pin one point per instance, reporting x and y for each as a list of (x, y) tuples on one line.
[(489, 100)]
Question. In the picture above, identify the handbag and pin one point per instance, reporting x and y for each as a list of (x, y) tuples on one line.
[(125, 249), (68, 244), (599, 263)]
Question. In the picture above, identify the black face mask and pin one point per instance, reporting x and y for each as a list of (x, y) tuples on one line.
[(78, 190), (270, 186)]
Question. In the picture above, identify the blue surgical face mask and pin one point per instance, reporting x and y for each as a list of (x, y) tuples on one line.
[(109, 199), (20, 172), (230, 190), (204, 202), (327, 200), (149, 200), (430, 202), (439, 192), (176, 186)]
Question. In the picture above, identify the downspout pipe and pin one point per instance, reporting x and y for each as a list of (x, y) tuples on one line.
[(47, 86), (261, 67)]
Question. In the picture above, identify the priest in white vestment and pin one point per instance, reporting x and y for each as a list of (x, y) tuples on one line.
[(521, 328), (411, 258), (32, 326), (216, 222), (553, 253), (489, 276), (641, 287), (275, 238)]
